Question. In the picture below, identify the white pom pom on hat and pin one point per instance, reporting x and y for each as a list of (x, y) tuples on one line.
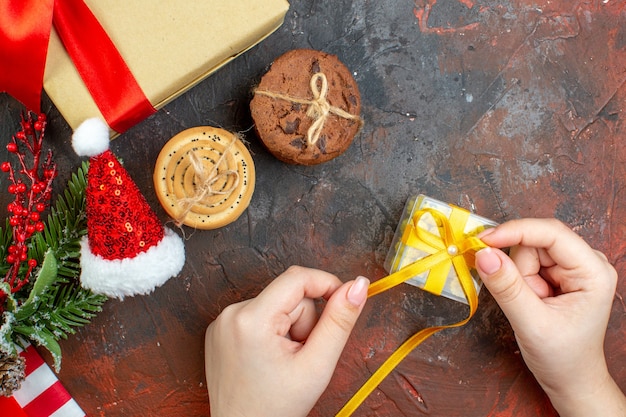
[(91, 138)]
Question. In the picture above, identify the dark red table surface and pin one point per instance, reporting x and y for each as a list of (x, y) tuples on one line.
[(512, 108)]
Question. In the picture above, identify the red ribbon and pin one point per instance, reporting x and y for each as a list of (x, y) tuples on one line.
[(25, 27), (23, 47)]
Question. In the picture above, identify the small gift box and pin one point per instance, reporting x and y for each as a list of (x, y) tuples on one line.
[(41, 393), (418, 235), (168, 47)]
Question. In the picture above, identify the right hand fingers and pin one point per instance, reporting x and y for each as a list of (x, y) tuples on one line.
[(564, 258), (551, 235), (528, 264), (505, 283)]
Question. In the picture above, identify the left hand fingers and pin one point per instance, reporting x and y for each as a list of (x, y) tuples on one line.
[(287, 303), (297, 283), (303, 318)]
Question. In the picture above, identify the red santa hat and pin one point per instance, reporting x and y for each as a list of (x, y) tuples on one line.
[(127, 251)]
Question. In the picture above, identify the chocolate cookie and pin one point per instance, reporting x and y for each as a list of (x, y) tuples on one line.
[(204, 177), (306, 107)]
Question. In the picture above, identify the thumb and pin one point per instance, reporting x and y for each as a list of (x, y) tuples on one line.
[(329, 337), (507, 286)]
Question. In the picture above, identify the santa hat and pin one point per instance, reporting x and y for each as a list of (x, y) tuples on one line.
[(127, 251)]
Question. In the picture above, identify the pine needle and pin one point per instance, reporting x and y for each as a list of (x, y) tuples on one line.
[(63, 304)]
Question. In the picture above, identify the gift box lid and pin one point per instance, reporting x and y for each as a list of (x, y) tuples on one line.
[(168, 47)]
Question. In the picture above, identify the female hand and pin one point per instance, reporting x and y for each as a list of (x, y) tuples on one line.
[(271, 355), (557, 293)]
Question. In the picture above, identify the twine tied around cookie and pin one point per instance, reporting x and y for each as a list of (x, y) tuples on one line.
[(205, 179), (319, 108)]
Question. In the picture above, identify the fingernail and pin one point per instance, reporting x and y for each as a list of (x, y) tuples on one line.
[(488, 261), (358, 291)]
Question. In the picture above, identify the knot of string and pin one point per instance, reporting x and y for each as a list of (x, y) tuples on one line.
[(205, 179)]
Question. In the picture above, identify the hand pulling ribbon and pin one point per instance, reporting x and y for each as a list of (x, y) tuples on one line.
[(450, 249), (25, 27)]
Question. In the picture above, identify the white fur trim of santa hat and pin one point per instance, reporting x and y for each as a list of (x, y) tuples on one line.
[(131, 276), (91, 138)]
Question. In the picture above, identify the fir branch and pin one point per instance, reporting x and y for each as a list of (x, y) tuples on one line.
[(55, 314), (64, 304), (59, 310), (60, 304), (66, 224)]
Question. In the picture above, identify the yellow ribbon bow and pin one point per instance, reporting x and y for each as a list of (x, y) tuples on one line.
[(450, 249)]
